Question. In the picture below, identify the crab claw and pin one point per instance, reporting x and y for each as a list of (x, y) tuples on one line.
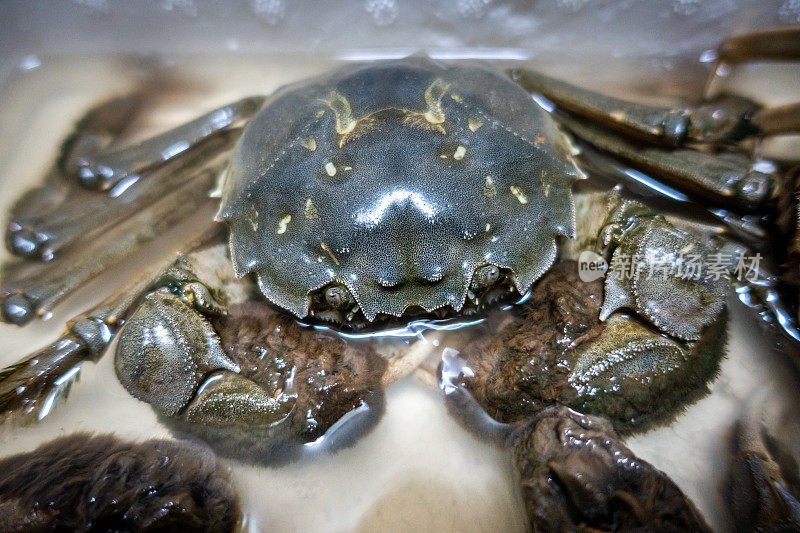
[(84, 482), (253, 383), (164, 352), (554, 350), (636, 377), (662, 273), (577, 476), (764, 483)]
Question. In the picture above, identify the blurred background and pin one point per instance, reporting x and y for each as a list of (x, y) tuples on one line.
[(664, 30)]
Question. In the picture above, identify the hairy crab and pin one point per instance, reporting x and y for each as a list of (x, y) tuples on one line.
[(415, 190)]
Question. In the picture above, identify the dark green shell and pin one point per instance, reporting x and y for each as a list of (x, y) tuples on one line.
[(397, 179)]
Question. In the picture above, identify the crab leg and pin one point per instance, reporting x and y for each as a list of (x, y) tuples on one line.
[(726, 178), (100, 124), (101, 167), (777, 120), (30, 387), (721, 120), (782, 44), (84, 213), (576, 475), (761, 487), (35, 293), (744, 227)]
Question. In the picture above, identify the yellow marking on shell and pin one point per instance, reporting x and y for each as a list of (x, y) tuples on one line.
[(416, 119), (283, 224), (433, 101), (330, 168), (539, 139), (376, 120), (516, 191), (320, 113), (310, 143), (311, 210), (489, 188), (460, 152), (251, 216), (443, 156), (474, 123), (348, 168), (329, 252), (345, 123), (549, 179), (488, 227), (362, 126), (456, 98)]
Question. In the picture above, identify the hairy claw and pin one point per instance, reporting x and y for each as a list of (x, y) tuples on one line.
[(576, 475), (82, 482), (763, 485), (164, 351), (555, 350), (657, 270)]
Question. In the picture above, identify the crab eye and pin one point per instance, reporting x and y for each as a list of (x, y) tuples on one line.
[(485, 276), (338, 297)]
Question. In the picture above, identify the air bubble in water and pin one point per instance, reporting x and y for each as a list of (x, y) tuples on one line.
[(383, 12), (473, 8), (789, 11), (187, 7), (571, 6), (99, 5), (270, 11), (686, 7)]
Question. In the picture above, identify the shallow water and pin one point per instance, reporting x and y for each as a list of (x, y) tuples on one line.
[(417, 469)]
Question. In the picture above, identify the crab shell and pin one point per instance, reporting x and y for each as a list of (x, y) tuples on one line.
[(397, 180)]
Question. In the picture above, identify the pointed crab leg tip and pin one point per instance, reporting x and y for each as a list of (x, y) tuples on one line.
[(18, 309), (90, 179), (22, 241)]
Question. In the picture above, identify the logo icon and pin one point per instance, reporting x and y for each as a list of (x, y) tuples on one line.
[(591, 266)]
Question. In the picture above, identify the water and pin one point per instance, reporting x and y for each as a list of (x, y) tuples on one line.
[(417, 469)]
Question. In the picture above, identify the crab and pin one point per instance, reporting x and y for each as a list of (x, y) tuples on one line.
[(414, 191)]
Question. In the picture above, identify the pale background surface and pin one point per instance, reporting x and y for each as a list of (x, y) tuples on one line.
[(417, 470)]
